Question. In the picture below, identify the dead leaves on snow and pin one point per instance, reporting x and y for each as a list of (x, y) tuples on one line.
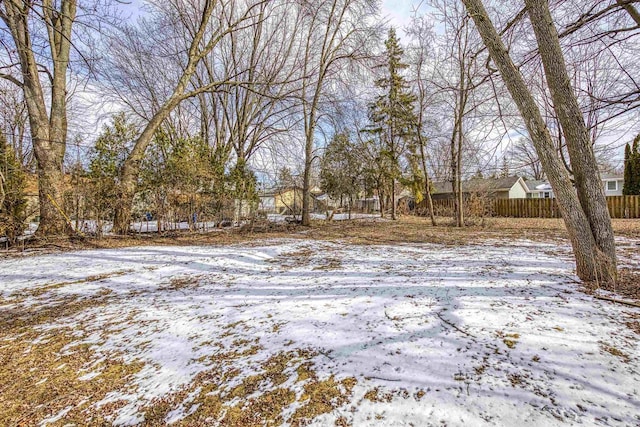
[(224, 398)]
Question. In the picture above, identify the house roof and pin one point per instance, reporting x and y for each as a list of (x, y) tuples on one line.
[(534, 185), (478, 185), (276, 191), (611, 177)]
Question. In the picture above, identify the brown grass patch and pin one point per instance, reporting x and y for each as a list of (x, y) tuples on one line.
[(322, 397), (182, 283), (510, 340), (376, 395), (245, 404), (615, 352), (41, 375)]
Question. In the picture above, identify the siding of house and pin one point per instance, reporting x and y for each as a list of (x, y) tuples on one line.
[(617, 191), (288, 200), (518, 191)]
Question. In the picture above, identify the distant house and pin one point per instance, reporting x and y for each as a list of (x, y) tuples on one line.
[(287, 200), (612, 184), (511, 187), (367, 204), (539, 190), (542, 189)]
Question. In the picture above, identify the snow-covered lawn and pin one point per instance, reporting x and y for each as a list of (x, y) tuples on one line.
[(289, 330)]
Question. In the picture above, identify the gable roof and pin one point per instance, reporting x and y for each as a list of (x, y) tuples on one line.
[(478, 185)]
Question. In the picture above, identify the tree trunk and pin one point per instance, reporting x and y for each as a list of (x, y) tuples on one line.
[(393, 199), (306, 183), (50, 192), (591, 263), (460, 194), (427, 185), (583, 162), (131, 169), (455, 180), (48, 126)]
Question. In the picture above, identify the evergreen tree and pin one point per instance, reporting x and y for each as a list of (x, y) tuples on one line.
[(504, 170), (392, 115), (106, 160), (632, 168), (415, 179), (341, 169), (626, 189), (13, 204)]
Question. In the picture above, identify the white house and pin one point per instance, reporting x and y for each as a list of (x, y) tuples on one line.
[(612, 184), (539, 190), (542, 189)]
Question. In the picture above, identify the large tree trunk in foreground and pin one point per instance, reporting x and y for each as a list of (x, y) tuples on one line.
[(592, 264), (48, 125), (583, 161)]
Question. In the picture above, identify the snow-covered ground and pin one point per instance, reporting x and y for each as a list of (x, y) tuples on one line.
[(91, 227), (484, 334)]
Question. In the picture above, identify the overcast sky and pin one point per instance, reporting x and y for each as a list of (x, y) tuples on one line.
[(397, 12)]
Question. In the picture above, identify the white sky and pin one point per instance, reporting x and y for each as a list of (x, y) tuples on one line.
[(398, 12)]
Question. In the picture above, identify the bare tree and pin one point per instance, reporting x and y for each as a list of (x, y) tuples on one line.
[(47, 120), (459, 78), (203, 26), (421, 58), (592, 243), (262, 57), (526, 159), (334, 34)]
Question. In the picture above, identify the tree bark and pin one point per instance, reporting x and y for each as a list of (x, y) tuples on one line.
[(591, 263), (131, 167), (48, 126), (583, 162), (427, 184), (308, 163), (631, 10)]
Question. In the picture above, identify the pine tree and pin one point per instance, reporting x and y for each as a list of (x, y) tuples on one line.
[(341, 169), (632, 168), (392, 115), (106, 160), (626, 189)]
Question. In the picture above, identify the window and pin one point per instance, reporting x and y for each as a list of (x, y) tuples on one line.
[(547, 194), (612, 185)]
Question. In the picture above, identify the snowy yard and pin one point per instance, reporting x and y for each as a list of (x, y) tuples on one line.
[(292, 331)]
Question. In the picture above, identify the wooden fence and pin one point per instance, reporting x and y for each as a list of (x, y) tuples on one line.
[(619, 207)]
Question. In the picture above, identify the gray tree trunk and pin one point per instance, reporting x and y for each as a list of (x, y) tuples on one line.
[(48, 125), (583, 162), (591, 263)]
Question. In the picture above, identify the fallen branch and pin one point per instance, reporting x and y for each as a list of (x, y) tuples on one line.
[(454, 326), (382, 379), (619, 301)]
